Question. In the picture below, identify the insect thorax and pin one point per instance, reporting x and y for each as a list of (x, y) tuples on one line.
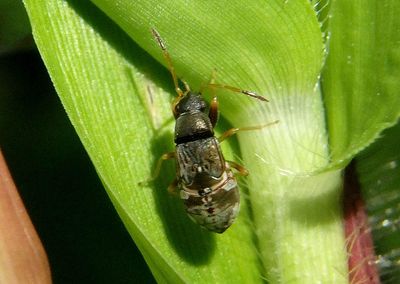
[(192, 126)]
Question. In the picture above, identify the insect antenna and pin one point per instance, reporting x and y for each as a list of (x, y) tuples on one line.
[(237, 90), (167, 57)]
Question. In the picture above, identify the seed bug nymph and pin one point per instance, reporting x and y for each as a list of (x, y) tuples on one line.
[(205, 179)]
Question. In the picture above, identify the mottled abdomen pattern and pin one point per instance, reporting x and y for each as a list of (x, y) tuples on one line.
[(208, 188), (216, 208)]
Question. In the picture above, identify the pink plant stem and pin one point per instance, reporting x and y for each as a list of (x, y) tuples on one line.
[(22, 256), (360, 247)]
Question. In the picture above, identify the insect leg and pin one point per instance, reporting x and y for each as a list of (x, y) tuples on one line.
[(213, 112), (235, 130), (242, 170), (172, 187), (168, 60), (164, 157)]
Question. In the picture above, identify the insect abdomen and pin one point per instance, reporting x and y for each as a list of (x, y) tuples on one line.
[(208, 187), (214, 208)]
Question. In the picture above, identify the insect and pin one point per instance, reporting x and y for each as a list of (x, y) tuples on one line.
[(207, 184)]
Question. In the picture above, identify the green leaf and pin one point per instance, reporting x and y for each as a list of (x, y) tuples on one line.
[(118, 99), (361, 78)]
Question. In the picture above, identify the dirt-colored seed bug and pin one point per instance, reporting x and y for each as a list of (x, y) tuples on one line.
[(207, 184)]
